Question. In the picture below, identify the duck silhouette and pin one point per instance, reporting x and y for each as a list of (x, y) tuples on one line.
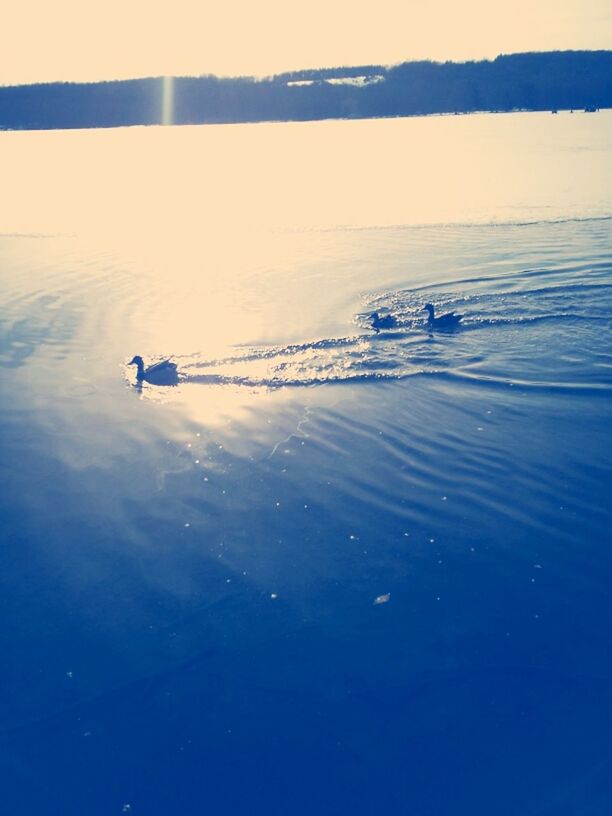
[(385, 322), (445, 321), (163, 373)]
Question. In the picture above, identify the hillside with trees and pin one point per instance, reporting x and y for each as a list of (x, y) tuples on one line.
[(533, 81)]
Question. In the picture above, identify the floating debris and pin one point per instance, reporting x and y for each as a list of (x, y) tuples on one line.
[(381, 599)]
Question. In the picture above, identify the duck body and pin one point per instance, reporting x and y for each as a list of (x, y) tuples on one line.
[(163, 373), (385, 322), (446, 321)]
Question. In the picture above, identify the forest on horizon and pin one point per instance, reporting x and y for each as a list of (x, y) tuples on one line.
[(529, 81)]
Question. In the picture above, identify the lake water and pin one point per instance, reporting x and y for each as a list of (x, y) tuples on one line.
[(330, 571)]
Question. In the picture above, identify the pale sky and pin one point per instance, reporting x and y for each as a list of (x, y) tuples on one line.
[(47, 40)]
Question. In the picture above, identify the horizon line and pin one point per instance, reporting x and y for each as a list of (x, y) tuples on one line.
[(268, 76)]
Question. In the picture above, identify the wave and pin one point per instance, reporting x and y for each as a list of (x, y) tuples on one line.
[(485, 223), (541, 386), (407, 295), (484, 350), (271, 383), (531, 320), (269, 353), (335, 379), (34, 235)]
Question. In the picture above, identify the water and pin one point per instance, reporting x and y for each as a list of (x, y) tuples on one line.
[(330, 571)]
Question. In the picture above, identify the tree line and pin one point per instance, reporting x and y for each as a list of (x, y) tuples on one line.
[(531, 81)]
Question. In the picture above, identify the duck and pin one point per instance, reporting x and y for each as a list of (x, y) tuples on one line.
[(445, 321), (163, 373), (386, 322)]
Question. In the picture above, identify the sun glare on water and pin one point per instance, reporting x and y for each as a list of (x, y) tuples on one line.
[(168, 100), (220, 309)]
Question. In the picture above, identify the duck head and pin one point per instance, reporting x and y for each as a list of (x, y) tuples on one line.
[(139, 363)]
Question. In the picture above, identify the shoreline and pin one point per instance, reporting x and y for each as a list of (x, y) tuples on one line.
[(216, 123)]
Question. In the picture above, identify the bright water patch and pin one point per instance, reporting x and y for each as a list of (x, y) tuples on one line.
[(546, 325), (145, 183)]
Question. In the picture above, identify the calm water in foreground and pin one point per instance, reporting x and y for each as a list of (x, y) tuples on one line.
[(330, 572)]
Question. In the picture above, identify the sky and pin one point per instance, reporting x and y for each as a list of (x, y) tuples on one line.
[(44, 40)]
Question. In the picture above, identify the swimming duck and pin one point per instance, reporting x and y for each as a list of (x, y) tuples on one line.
[(445, 321), (386, 322), (163, 373)]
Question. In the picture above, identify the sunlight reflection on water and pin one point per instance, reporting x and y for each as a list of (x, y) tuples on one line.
[(161, 184)]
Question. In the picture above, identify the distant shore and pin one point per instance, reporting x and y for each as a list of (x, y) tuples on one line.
[(358, 118), (554, 81)]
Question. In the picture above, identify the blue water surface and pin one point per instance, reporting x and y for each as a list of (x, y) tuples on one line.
[(330, 572)]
